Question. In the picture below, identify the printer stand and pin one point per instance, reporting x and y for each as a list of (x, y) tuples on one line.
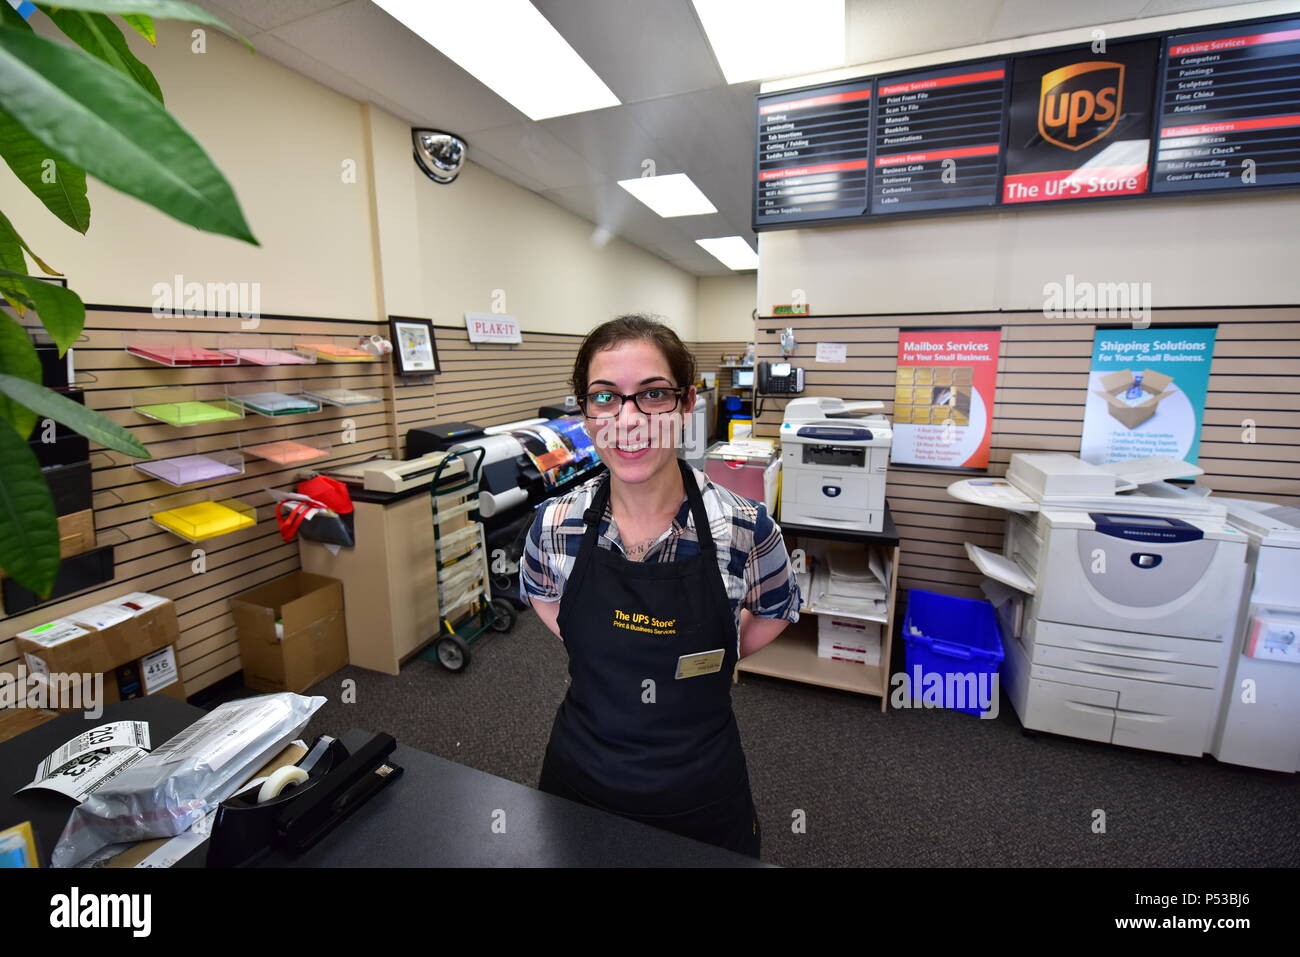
[(793, 655)]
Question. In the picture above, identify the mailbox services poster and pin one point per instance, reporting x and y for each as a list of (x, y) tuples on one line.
[(943, 397), (1146, 394)]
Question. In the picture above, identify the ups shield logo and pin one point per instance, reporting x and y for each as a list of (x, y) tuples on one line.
[(1080, 103)]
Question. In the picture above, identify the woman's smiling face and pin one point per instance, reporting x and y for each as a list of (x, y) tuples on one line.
[(634, 445)]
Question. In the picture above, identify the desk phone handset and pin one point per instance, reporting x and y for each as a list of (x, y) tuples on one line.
[(779, 378), (339, 775)]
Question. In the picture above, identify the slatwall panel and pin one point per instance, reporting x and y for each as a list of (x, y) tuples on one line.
[(1042, 377), (708, 357), (490, 384), (150, 559)]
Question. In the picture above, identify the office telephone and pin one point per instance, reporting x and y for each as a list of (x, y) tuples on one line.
[(779, 378)]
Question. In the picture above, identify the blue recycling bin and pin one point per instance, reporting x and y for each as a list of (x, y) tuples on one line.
[(958, 639)]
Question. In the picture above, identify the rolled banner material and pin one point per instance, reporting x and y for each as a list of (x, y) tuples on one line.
[(280, 779), (489, 504)]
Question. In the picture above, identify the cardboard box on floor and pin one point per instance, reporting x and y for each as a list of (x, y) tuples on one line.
[(314, 641), (151, 628), (1114, 384)]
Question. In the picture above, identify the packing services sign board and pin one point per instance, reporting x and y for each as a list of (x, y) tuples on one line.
[(1146, 394), (943, 397)]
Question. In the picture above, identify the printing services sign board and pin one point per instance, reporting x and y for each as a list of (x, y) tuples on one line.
[(1146, 394), (491, 327), (1080, 123), (943, 397)]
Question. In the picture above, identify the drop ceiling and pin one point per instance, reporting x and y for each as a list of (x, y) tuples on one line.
[(676, 109)]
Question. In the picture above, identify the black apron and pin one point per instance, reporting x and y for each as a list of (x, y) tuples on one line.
[(667, 754)]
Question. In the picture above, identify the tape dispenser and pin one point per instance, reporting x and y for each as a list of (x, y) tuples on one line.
[(294, 807)]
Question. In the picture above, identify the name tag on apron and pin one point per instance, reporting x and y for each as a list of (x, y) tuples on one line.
[(700, 663)]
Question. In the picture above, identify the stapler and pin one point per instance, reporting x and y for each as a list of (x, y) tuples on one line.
[(334, 779)]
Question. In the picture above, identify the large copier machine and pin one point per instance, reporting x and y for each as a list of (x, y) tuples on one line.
[(1119, 608)]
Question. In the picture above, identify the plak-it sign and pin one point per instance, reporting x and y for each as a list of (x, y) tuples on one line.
[(491, 327)]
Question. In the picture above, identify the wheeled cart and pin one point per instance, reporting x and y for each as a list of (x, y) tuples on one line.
[(466, 609)]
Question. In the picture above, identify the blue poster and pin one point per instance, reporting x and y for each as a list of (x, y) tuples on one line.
[(1146, 394)]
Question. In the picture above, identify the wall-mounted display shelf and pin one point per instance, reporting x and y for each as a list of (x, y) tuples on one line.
[(186, 405), (341, 397), (278, 446), (197, 517), (335, 349), (180, 464), (265, 350), (174, 349), (273, 403)]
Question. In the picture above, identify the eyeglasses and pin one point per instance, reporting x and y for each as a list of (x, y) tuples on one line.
[(605, 404)]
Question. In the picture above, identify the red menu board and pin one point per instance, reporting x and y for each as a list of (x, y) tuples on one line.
[(943, 397)]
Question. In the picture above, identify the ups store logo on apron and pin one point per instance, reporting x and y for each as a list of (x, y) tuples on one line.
[(639, 621), (1080, 103)]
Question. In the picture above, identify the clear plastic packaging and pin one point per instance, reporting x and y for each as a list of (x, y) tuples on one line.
[(186, 777)]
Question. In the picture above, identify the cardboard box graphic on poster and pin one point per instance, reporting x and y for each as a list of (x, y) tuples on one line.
[(943, 397), (1146, 394)]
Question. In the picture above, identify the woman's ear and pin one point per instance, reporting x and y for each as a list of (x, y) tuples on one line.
[(688, 401)]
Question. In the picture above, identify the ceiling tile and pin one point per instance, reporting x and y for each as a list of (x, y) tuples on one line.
[(639, 49), (268, 16), (886, 29), (533, 150), (612, 142), (1019, 18)]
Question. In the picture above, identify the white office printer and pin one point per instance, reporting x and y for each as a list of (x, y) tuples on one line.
[(1118, 608), (834, 459)]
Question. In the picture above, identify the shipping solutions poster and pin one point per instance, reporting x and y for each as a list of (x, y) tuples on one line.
[(1080, 124), (943, 397), (1146, 394)]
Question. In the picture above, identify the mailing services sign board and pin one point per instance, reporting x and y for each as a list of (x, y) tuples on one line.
[(490, 327), (1146, 394), (943, 397)]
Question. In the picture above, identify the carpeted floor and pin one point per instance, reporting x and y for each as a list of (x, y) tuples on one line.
[(906, 788)]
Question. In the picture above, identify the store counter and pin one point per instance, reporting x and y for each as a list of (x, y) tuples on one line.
[(437, 814)]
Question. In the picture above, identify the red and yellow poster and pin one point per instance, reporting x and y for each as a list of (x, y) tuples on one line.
[(943, 397)]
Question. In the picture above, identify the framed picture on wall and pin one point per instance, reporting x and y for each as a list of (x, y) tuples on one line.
[(415, 351)]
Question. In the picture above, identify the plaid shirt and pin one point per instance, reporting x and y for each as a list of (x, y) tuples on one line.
[(751, 552)]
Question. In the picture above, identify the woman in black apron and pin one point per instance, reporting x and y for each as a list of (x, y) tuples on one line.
[(646, 729)]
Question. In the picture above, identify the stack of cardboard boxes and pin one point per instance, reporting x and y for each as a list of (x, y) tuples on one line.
[(130, 640)]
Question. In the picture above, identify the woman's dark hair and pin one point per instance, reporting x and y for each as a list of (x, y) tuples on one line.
[(609, 334)]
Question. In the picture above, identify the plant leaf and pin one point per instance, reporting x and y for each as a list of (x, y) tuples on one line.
[(11, 259), (142, 24), (158, 9), (18, 358), (10, 235), (92, 116), (102, 38), (94, 426), (66, 196), (29, 530), (61, 310), (12, 18)]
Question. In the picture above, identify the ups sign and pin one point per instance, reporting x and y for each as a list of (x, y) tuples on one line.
[(1079, 104)]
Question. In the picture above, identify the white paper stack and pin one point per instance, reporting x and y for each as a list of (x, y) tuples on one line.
[(848, 639)]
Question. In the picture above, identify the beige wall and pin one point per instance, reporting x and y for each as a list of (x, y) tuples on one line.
[(281, 140), (1210, 251), (724, 307), (391, 243)]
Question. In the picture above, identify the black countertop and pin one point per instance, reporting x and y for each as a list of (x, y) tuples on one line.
[(437, 814)]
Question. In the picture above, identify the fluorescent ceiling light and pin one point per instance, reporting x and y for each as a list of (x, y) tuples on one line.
[(670, 195), (756, 39), (732, 251), (508, 46)]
